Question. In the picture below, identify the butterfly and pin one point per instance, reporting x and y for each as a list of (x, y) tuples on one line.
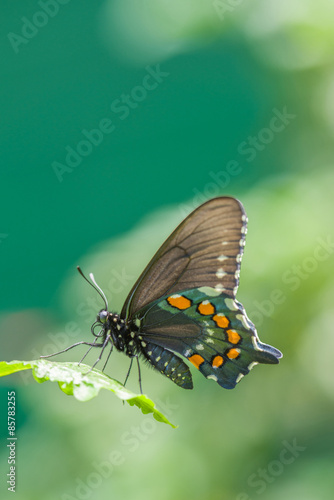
[(184, 305)]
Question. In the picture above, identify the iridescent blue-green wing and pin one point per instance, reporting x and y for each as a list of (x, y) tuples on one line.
[(204, 250), (210, 329)]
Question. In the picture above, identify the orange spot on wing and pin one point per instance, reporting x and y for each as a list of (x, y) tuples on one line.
[(179, 301), (233, 353), (206, 308), (217, 361), (196, 360), (221, 320), (233, 336)]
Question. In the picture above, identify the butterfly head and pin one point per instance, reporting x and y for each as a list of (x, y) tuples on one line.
[(103, 323), (103, 316)]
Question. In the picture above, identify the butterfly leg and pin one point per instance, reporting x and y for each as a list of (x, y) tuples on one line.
[(127, 375), (71, 347), (139, 375), (105, 364), (103, 346), (94, 344), (129, 370)]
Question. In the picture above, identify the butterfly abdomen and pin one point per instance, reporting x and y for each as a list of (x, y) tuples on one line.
[(168, 364)]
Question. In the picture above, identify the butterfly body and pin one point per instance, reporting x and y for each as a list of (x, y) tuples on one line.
[(115, 331), (126, 337), (184, 303)]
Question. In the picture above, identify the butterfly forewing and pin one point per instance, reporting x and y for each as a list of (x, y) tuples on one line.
[(204, 250)]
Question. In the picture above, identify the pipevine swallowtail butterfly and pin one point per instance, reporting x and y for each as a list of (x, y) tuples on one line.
[(184, 304)]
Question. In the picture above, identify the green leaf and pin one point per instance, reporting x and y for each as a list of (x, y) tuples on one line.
[(75, 381)]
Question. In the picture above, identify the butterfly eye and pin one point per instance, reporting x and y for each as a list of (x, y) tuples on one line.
[(102, 316)]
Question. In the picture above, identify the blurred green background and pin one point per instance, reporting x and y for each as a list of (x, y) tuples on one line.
[(185, 94)]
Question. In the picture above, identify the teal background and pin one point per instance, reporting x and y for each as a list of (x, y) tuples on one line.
[(227, 69)]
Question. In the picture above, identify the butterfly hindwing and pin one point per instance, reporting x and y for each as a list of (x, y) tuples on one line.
[(210, 329)]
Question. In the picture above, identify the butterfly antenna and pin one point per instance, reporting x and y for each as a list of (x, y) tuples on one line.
[(95, 286)]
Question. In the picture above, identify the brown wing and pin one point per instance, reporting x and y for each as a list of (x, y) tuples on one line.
[(204, 250)]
